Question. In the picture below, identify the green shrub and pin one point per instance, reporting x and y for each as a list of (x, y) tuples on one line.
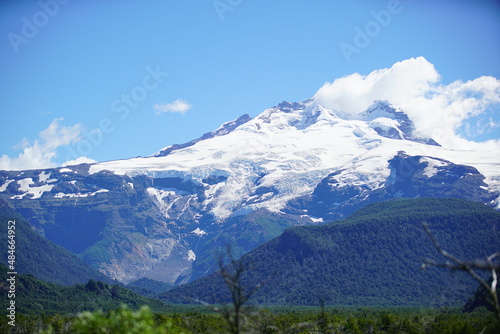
[(122, 320)]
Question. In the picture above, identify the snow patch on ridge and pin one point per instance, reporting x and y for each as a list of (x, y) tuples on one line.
[(66, 170), (42, 177), (24, 184), (77, 195), (191, 256), (35, 192), (5, 185), (199, 232), (432, 165)]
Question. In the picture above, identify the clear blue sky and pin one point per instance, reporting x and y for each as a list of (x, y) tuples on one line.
[(79, 60)]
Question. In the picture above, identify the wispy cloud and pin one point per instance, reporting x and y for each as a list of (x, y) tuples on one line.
[(492, 124), (437, 110), (179, 106), (42, 152)]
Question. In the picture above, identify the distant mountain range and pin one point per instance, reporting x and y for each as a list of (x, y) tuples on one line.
[(372, 258), (163, 217)]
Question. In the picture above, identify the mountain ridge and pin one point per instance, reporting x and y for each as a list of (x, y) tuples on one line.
[(222, 130), (294, 164)]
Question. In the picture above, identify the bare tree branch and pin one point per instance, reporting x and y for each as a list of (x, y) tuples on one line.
[(468, 266), (232, 270)]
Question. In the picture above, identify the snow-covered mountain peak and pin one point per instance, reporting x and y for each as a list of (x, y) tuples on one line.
[(284, 124), (290, 107), (391, 121), (297, 116), (286, 150), (278, 139), (383, 108), (302, 115)]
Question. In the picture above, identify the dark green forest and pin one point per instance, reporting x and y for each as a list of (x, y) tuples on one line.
[(34, 296), (373, 258)]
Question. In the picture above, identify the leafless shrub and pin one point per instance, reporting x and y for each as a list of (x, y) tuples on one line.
[(470, 267)]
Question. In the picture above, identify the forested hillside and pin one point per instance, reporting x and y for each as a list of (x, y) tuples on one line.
[(33, 296), (372, 258)]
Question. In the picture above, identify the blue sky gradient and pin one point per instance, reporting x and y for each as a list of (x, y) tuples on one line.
[(86, 65)]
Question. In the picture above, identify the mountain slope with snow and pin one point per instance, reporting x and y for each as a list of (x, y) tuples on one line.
[(294, 164), (291, 148)]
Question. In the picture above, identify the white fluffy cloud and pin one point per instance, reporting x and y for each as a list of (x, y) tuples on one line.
[(179, 106), (42, 152), (414, 85)]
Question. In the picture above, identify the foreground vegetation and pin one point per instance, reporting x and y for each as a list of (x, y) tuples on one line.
[(192, 319)]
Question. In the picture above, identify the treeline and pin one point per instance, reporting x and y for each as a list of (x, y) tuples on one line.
[(34, 296), (148, 287), (266, 321)]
